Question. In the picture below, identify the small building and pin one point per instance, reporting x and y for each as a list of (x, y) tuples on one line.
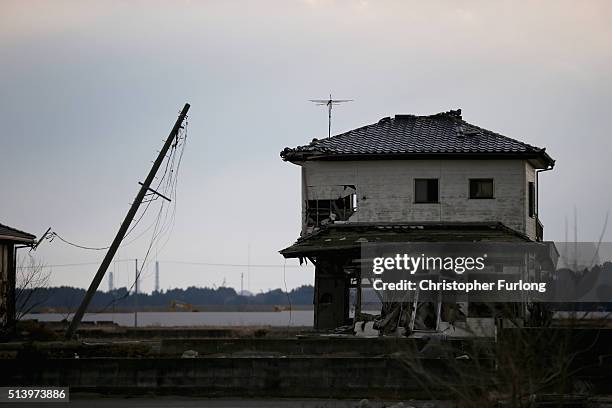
[(412, 178), (10, 240)]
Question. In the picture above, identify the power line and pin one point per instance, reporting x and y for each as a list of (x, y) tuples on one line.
[(232, 264), (72, 264), (195, 263), (169, 167), (169, 190), (54, 234)]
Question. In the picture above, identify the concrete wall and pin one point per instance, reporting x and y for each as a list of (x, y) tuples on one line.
[(385, 190), (325, 377), (311, 346)]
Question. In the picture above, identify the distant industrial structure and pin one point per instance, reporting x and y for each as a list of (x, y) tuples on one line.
[(156, 276)]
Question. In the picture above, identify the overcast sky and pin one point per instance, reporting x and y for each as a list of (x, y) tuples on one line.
[(88, 90)]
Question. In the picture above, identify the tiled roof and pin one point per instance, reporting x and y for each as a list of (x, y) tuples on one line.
[(12, 234), (410, 135)]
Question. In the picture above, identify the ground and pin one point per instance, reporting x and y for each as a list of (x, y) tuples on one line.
[(177, 402)]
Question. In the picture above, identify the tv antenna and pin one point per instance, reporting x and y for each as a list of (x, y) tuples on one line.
[(329, 103)]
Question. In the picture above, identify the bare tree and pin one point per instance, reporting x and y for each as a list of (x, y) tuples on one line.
[(31, 276)]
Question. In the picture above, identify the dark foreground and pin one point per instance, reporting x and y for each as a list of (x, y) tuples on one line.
[(175, 402), (540, 367)]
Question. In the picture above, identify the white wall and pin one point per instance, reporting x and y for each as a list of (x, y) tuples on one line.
[(385, 190)]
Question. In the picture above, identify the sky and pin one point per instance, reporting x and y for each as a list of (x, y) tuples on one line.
[(89, 90)]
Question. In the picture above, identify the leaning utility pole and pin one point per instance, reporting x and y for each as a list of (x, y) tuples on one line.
[(146, 186)]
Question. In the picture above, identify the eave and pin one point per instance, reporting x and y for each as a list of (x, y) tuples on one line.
[(20, 240), (350, 236), (539, 159)]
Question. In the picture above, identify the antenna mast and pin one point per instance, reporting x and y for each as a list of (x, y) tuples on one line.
[(329, 103)]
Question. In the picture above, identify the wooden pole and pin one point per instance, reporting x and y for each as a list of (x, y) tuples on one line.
[(93, 287)]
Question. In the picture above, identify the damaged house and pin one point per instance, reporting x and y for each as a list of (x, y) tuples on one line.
[(409, 178), (10, 240)]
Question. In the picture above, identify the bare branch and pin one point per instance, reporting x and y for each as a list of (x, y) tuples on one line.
[(31, 276)]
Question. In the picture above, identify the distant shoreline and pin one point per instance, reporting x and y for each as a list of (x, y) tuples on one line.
[(195, 308), (186, 319), (66, 299)]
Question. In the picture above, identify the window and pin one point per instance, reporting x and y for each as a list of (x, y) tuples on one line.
[(481, 188), (531, 196), (426, 190), (320, 212)]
